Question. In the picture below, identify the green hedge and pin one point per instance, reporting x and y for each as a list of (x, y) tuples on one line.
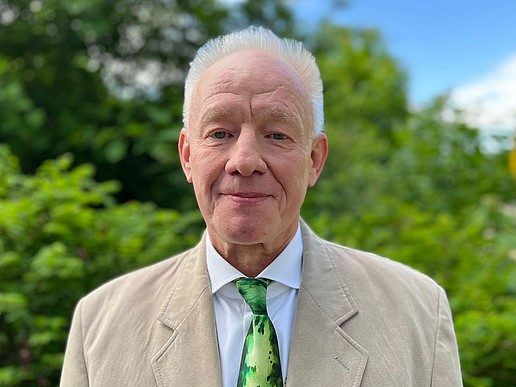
[(61, 235)]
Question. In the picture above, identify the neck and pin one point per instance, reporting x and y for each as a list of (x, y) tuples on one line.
[(250, 260)]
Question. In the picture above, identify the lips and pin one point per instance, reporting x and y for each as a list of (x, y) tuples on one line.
[(246, 197), (247, 194)]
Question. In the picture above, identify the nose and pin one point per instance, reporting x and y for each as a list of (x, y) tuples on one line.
[(246, 156)]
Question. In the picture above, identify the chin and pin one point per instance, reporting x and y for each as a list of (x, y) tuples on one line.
[(246, 235), (243, 232)]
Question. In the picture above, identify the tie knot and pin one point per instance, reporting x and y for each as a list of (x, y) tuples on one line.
[(254, 292)]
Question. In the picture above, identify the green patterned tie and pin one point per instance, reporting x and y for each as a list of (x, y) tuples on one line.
[(260, 365)]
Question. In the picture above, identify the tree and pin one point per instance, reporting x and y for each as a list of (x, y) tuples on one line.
[(365, 100), (106, 80)]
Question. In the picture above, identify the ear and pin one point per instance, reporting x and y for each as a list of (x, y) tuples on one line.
[(319, 155), (184, 154)]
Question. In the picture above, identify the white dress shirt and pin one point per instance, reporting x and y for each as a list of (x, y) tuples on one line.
[(233, 315)]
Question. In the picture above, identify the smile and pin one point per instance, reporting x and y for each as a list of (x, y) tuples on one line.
[(247, 197)]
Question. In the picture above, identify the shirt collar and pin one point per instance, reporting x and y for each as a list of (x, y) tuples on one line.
[(285, 269)]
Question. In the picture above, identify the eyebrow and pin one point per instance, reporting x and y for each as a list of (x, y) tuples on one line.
[(280, 114), (218, 113), (276, 112)]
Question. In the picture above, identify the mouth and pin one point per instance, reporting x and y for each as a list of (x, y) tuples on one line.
[(246, 197)]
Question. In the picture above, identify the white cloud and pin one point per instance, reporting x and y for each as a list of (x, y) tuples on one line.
[(489, 102)]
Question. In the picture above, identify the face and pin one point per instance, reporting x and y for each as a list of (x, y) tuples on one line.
[(249, 150)]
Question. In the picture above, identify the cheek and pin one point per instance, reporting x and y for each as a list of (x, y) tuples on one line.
[(205, 170), (294, 179)]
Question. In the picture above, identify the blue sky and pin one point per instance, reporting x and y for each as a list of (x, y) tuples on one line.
[(467, 48)]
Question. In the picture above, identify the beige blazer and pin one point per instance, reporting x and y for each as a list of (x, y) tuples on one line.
[(361, 320)]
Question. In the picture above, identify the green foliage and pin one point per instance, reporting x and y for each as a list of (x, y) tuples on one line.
[(61, 235), (443, 165), (365, 101), (363, 85)]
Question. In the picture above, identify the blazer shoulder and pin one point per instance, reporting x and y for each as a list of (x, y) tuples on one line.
[(356, 265), (157, 279)]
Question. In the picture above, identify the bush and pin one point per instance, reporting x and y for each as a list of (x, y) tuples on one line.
[(61, 235)]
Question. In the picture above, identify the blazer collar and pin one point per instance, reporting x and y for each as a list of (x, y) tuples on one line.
[(321, 352), (190, 356)]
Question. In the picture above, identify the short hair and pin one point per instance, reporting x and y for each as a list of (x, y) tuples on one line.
[(289, 51)]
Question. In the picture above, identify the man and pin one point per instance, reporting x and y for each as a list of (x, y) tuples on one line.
[(252, 145)]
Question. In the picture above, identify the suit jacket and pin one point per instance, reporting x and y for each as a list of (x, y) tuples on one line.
[(361, 320)]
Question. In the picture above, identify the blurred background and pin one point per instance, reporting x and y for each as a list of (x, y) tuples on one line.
[(420, 112)]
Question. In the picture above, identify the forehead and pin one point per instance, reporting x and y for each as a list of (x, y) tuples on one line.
[(251, 74)]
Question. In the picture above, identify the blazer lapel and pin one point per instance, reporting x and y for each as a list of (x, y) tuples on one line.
[(322, 353), (190, 356)]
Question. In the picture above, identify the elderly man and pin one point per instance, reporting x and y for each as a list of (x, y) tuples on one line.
[(261, 300)]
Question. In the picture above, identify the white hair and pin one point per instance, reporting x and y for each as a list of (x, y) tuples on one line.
[(289, 51)]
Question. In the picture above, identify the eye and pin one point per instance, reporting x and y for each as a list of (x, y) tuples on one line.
[(278, 136), (219, 135)]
